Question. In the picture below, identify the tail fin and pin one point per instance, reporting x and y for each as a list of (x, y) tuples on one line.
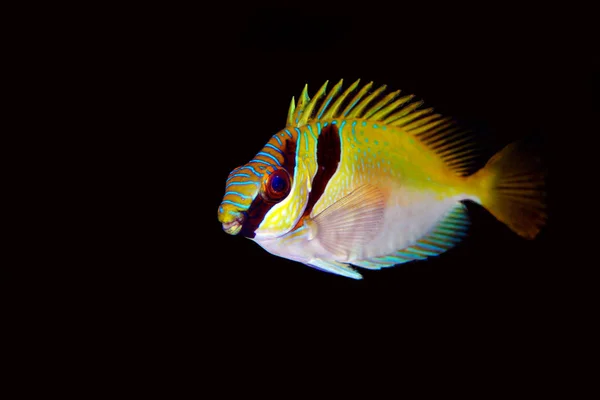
[(512, 189)]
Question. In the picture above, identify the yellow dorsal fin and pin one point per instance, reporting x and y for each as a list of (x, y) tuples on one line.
[(356, 99), (290, 117), (454, 145), (302, 102), (373, 110), (331, 95), (308, 109), (333, 111), (356, 111)]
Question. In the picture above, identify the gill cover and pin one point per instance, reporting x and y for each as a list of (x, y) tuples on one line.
[(283, 216)]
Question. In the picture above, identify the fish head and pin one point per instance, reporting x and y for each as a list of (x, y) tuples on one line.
[(266, 197), (252, 195)]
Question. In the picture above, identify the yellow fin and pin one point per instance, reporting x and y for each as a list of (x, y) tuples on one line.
[(332, 112), (331, 95), (310, 106), (373, 110), (362, 105), (456, 147), (290, 117), (356, 99), (302, 102), (511, 187)]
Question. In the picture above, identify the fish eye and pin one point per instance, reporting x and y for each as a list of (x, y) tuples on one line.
[(277, 186)]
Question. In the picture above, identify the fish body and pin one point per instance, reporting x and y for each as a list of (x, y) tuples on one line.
[(373, 181)]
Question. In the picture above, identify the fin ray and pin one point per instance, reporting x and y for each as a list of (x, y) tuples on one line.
[(513, 189), (453, 145), (352, 221)]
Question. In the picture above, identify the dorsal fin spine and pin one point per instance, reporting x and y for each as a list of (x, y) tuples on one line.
[(384, 112), (421, 121), (373, 110), (290, 117), (308, 109), (402, 112), (452, 144), (356, 112), (402, 122), (356, 99), (302, 101), (332, 112), (331, 95)]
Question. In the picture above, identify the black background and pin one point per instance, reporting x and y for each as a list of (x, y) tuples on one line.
[(504, 77), (199, 91)]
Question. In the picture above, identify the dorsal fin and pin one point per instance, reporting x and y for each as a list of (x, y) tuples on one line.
[(454, 145), (310, 106), (290, 117)]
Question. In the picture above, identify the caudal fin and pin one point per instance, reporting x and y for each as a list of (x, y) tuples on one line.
[(512, 189)]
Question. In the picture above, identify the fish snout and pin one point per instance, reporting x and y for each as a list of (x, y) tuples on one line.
[(233, 227), (232, 222)]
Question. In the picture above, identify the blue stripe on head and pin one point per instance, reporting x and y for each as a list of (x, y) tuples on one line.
[(240, 206), (262, 162), (279, 140), (242, 183), (239, 174), (289, 134), (262, 153), (235, 193), (269, 145), (253, 170)]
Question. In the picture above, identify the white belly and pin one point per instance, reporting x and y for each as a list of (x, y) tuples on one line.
[(409, 216)]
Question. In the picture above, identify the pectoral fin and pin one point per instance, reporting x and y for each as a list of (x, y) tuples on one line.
[(350, 222)]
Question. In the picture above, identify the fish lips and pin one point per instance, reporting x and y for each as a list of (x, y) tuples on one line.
[(234, 227)]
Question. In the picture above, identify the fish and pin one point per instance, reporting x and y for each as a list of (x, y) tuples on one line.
[(364, 178)]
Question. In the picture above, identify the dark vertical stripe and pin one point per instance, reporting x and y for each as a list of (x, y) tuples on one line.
[(328, 158)]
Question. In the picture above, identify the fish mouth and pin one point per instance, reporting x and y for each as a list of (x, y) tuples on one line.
[(234, 227)]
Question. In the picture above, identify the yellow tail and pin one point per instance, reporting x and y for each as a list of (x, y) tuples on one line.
[(511, 187)]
